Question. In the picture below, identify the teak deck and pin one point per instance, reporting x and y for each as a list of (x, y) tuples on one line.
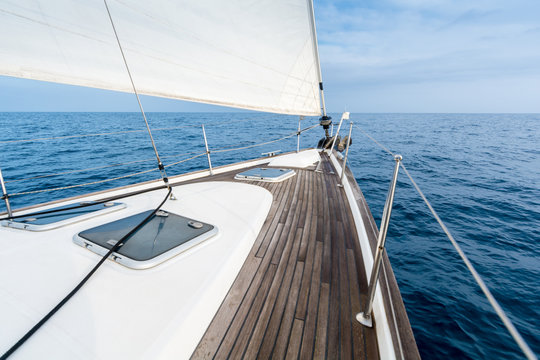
[(302, 284)]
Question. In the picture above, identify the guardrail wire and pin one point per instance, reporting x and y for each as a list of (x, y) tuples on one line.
[(498, 310), (219, 150)]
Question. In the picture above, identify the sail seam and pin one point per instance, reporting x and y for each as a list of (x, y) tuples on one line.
[(224, 51)]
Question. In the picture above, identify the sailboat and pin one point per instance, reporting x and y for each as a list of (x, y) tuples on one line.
[(277, 256)]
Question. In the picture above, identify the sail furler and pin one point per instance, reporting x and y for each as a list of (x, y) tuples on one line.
[(241, 53)]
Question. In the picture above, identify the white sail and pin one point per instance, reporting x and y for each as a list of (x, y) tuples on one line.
[(251, 54)]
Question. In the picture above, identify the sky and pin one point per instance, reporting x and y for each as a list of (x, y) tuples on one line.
[(451, 56)]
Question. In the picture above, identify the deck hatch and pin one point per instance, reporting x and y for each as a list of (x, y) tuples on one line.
[(62, 218), (265, 174), (165, 235)]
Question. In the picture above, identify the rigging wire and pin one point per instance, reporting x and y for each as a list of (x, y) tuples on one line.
[(105, 180), (120, 196), (502, 315), (85, 184), (98, 167), (160, 164), (219, 150), (83, 205), (498, 310), (375, 141), (53, 311), (184, 160), (226, 149), (123, 132), (92, 135)]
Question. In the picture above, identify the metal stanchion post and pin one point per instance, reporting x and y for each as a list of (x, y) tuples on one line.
[(346, 155), (298, 134), (207, 151), (365, 317), (5, 195)]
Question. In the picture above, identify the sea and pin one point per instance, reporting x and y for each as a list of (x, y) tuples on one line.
[(481, 172)]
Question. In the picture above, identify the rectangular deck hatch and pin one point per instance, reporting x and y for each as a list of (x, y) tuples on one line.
[(266, 174), (63, 218), (164, 236)]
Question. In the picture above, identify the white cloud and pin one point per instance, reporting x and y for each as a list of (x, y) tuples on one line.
[(427, 44)]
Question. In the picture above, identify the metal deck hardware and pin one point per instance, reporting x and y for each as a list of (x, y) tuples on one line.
[(207, 151), (346, 155), (344, 116), (5, 194), (365, 317), (298, 134)]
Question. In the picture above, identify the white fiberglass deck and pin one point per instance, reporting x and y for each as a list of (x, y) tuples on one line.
[(123, 313)]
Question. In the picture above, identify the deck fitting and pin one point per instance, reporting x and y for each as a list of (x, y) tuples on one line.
[(364, 319)]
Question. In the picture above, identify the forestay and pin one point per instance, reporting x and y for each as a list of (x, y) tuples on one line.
[(246, 54)]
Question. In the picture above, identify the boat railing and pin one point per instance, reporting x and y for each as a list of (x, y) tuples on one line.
[(188, 156), (365, 316)]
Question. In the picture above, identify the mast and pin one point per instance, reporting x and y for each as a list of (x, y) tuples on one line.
[(325, 120)]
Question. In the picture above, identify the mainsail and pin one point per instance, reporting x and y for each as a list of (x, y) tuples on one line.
[(251, 54)]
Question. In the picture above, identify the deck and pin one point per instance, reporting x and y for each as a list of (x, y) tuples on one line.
[(302, 283)]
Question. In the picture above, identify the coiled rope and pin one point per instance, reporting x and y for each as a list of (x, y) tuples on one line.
[(498, 310)]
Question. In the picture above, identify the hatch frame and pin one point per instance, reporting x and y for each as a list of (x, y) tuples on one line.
[(22, 223), (135, 264), (252, 175)]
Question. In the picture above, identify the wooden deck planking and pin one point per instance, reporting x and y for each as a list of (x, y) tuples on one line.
[(312, 305), (295, 340), (299, 290)]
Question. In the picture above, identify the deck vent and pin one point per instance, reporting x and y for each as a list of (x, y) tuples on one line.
[(164, 236), (62, 218), (266, 174)]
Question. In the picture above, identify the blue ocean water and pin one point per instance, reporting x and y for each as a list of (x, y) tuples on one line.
[(480, 171)]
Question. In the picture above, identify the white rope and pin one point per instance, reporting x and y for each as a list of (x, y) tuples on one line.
[(513, 331)]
